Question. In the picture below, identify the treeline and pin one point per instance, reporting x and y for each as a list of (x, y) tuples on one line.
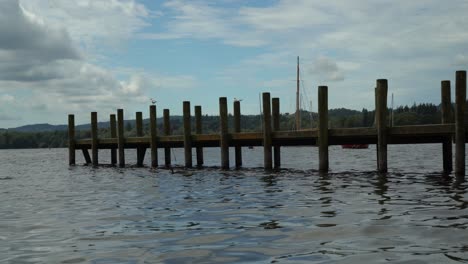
[(416, 114)]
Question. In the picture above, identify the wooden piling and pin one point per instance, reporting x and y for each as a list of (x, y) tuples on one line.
[(198, 131), (94, 138), (460, 101), (267, 141), (120, 137), (167, 132), (224, 140), (323, 128), (113, 134), (446, 110), (276, 127), (187, 135), (381, 122), (153, 139), (139, 133), (71, 140), (237, 129)]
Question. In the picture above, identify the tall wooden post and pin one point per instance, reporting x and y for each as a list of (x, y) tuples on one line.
[(167, 132), (446, 118), (223, 125), (94, 138), (267, 142), (71, 140), (139, 133), (113, 134), (276, 127), (237, 129), (460, 100), (120, 137), (153, 134), (187, 135), (381, 121), (323, 128), (198, 131)]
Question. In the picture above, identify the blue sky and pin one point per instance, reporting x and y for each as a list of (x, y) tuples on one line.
[(59, 56)]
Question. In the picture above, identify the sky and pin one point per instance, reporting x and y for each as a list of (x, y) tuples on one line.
[(60, 57)]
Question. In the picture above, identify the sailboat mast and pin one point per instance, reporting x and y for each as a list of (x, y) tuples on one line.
[(298, 113)]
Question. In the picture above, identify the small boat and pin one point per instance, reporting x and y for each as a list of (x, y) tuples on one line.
[(355, 146)]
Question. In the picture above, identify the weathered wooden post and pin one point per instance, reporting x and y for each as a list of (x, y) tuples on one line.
[(198, 131), (446, 118), (153, 139), (113, 134), (71, 140), (267, 142), (139, 133), (460, 101), (381, 122), (276, 127), (86, 156), (323, 128), (237, 129), (120, 137), (94, 138), (187, 135), (224, 140), (167, 132)]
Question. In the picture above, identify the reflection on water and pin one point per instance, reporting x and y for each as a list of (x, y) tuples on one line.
[(50, 213)]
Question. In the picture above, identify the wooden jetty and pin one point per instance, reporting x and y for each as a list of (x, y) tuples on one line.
[(272, 139)]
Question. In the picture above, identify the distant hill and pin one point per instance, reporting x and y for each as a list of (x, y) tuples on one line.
[(51, 128)]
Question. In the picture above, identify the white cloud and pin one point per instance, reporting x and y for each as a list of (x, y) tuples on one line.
[(326, 69), (45, 73)]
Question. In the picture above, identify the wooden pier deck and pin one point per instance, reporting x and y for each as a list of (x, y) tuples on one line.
[(272, 139)]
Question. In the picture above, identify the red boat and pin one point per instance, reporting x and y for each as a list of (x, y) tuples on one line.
[(355, 146)]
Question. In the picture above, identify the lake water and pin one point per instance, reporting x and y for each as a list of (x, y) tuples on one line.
[(53, 213)]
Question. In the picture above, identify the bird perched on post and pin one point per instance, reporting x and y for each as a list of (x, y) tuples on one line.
[(237, 100), (153, 101)]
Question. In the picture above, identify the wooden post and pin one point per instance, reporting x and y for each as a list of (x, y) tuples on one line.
[(198, 131), (381, 121), (139, 133), (94, 138), (446, 118), (276, 127), (153, 134), (113, 134), (167, 132), (224, 140), (460, 101), (267, 142), (237, 129), (71, 140), (187, 135), (323, 128), (120, 137)]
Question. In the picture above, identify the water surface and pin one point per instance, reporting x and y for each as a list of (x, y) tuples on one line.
[(53, 213)]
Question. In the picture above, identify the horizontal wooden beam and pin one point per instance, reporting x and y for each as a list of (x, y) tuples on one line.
[(337, 136)]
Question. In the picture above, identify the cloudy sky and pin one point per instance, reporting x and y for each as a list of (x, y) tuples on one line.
[(60, 56)]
